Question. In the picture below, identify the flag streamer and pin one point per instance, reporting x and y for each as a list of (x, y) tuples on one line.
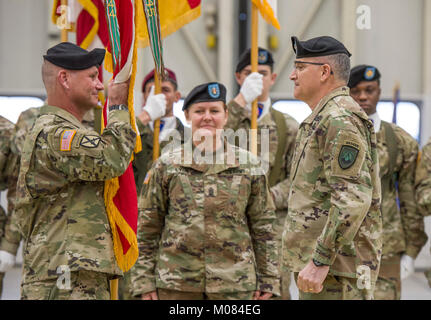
[(267, 9)]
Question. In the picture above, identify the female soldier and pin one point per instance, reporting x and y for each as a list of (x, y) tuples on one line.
[(206, 227)]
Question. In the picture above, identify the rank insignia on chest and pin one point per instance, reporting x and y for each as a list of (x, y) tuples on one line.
[(90, 141), (347, 156), (66, 140)]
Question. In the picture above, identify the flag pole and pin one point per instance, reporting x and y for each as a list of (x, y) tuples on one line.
[(64, 31), (156, 145), (395, 100), (254, 53)]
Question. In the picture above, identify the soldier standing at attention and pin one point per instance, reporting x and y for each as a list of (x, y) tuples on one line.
[(60, 209), (7, 259), (332, 238), (155, 106), (423, 187), (206, 225), (281, 127), (403, 224)]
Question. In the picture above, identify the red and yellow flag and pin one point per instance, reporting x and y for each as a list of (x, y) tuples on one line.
[(174, 14), (120, 193)]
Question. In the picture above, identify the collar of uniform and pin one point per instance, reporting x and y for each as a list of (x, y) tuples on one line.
[(60, 113), (341, 91), (211, 168), (375, 118)]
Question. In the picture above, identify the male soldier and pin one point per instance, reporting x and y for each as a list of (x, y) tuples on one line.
[(60, 210), (333, 226), (281, 127), (7, 259), (12, 238), (423, 186), (403, 225), (155, 106)]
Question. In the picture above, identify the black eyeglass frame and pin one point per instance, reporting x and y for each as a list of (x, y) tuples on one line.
[(313, 63)]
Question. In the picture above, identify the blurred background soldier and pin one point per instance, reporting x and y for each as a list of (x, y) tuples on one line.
[(403, 225), (282, 133), (206, 227), (60, 209), (423, 187), (333, 226), (7, 258)]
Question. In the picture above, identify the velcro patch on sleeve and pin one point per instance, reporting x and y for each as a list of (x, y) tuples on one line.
[(90, 141), (66, 140), (349, 156)]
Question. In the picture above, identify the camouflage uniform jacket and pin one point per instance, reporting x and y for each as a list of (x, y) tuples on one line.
[(25, 122), (144, 159), (60, 209), (423, 180), (206, 228), (403, 228), (334, 213), (239, 118), (6, 129)]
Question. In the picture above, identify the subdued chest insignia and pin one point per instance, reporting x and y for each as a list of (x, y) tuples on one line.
[(347, 156), (66, 140), (90, 141)]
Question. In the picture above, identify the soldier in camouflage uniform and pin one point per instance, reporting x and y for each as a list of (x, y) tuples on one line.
[(206, 227), (332, 238), (12, 238), (423, 186), (60, 209), (282, 133), (403, 225), (7, 259), (155, 106)]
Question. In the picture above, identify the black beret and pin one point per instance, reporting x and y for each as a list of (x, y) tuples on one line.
[(264, 57), (206, 92), (363, 73), (317, 47), (70, 56)]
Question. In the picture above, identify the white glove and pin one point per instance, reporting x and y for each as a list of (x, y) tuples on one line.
[(7, 261), (407, 266), (156, 105), (252, 87)]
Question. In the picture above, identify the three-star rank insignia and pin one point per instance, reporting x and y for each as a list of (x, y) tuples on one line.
[(347, 156), (90, 141)]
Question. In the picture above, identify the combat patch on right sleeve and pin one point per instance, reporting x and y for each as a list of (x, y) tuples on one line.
[(90, 141)]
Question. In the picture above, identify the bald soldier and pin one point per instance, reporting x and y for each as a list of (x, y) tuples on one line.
[(423, 187), (282, 130), (11, 237), (332, 237), (60, 210), (403, 225)]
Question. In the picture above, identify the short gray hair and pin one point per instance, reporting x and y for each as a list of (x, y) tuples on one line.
[(340, 64)]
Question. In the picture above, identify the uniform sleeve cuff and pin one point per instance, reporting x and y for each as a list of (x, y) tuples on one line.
[(12, 248), (145, 287), (412, 252), (119, 115), (235, 109), (269, 284), (323, 255)]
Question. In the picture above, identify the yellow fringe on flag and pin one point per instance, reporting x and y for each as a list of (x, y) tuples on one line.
[(89, 6), (267, 12), (124, 261), (54, 16)]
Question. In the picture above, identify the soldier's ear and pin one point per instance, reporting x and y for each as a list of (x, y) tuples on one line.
[(63, 78)]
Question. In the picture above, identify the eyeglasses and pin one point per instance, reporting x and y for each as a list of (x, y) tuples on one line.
[(313, 63)]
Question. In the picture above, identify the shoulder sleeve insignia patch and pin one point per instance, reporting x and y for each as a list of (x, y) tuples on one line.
[(347, 156), (66, 140), (90, 141)]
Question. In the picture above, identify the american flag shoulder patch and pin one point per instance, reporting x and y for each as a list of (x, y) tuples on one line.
[(66, 140)]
